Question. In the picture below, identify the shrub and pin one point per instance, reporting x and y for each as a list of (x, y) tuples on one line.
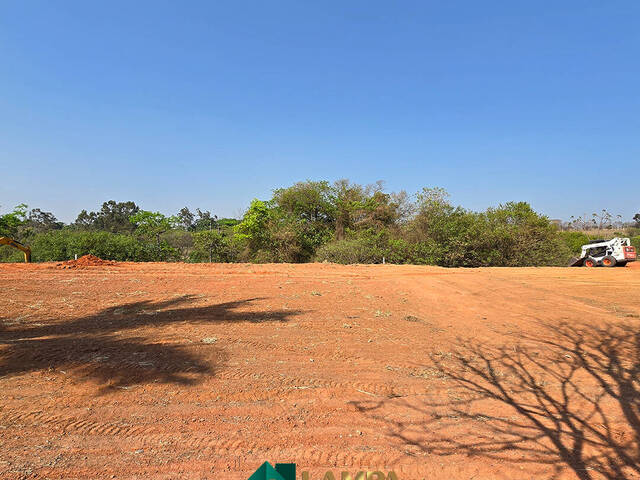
[(64, 244), (398, 251), (214, 246), (632, 232), (10, 255), (524, 237), (358, 250), (574, 241)]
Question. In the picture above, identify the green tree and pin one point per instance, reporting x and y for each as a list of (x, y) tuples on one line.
[(152, 224), (443, 234), (574, 241), (302, 219), (309, 201), (185, 219), (522, 237), (11, 222), (205, 220), (356, 207), (180, 241), (347, 199), (112, 217), (39, 221), (436, 219), (227, 222), (253, 230), (213, 243)]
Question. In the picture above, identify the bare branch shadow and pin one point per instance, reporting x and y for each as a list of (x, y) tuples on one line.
[(568, 397), (97, 347)]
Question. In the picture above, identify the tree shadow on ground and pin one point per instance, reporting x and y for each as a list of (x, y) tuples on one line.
[(568, 397), (98, 348)]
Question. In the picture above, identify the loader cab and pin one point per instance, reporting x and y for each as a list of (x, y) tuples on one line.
[(600, 248), (599, 251)]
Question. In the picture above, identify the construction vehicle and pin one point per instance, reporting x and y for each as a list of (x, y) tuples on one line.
[(605, 253), (15, 244)]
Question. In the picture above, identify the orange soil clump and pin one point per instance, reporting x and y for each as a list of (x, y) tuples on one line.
[(197, 371), (85, 261)]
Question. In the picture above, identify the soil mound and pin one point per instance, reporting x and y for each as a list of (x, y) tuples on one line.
[(86, 261)]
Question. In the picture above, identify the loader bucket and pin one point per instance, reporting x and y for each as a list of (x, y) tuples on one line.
[(576, 262)]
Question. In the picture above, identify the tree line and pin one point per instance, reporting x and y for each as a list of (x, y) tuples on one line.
[(339, 222)]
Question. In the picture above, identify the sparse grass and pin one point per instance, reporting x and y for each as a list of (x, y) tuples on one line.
[(605, 233), (429, 373)]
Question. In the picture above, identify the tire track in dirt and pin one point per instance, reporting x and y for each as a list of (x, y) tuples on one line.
[(409, 382), (377, 389), (309, 456), (73, 425), (320, 354)]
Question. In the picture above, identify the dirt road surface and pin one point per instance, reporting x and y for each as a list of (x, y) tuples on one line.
[(206, 371)]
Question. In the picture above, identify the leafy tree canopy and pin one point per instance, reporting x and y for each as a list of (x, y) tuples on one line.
[(186, 219), (11, 222), (311, 201), (254, 225), (152, 224), (112, 217), (39, 221)]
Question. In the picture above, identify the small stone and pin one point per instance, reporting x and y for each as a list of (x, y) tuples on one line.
[(209, 340)]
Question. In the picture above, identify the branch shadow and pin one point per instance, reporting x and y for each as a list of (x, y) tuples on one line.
[(97, 347), (568, 397)]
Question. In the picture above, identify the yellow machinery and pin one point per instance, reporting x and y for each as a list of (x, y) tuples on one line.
[(12, 243)]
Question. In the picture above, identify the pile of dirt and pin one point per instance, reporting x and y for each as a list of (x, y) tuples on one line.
[(86, 261)]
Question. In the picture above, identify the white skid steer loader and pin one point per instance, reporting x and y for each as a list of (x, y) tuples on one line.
[(605, 253)]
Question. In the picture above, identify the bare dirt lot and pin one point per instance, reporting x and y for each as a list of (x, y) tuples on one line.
[(206, 371)]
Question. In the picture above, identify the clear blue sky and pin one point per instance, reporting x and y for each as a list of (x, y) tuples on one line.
[(210, 104)]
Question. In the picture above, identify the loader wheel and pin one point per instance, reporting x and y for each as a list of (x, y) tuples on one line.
[(590, 263), (608, 261)]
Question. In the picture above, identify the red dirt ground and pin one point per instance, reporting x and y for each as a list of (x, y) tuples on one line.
[(206, 371)]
